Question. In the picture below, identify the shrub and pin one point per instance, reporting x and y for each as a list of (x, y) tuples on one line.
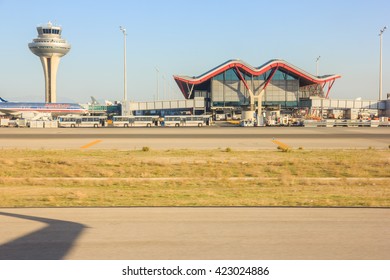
[(284, 149)]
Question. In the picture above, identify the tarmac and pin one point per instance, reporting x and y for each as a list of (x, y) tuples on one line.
[(240, 138), (200, 233)]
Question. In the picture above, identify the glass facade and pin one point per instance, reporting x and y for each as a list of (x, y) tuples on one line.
[(230, 75), (228, 90)]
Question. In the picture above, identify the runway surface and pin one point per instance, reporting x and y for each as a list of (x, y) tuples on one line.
[(195, 233), (241, 138)]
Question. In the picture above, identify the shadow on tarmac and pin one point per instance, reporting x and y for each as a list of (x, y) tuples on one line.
[(52, 242)]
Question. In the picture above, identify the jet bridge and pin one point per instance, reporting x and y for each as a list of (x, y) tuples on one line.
[(196, 104)]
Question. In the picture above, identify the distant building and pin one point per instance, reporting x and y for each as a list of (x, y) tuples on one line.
[(50, 47), (104, 110)]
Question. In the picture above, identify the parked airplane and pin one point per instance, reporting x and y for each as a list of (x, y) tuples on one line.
[(18, 108)]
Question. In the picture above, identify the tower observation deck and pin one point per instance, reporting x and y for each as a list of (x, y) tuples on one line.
[(50, 47)]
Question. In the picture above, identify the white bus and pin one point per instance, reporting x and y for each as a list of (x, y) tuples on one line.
[(121, 121), (187, 120), (126, 121), (68, 121), (82, 121)]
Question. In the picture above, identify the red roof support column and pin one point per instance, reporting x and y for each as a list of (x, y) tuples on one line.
[(268, 80), (242, 78), (183, 91), (330, 86)]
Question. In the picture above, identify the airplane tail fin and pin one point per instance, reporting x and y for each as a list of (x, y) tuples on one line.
[(2, 100), (94, 101)]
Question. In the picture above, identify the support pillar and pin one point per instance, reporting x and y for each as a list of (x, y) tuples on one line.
[(50, 67), (260, 119)]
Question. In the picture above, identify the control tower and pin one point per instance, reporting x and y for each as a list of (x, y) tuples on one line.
[(50, 47)]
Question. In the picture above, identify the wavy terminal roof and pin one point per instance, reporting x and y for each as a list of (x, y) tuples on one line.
[(281, 65)]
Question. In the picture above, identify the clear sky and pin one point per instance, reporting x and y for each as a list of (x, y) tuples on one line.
[(189, 38)]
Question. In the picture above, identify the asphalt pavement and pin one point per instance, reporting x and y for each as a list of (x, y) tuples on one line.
[(220, 233), (240, 138)]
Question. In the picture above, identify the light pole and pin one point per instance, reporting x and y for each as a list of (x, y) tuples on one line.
[(158, 90), (380, 61), (318, 58), (124, 63), (164, 88)]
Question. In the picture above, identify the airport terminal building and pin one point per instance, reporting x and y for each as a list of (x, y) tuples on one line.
[(234, 90), (278, 83)]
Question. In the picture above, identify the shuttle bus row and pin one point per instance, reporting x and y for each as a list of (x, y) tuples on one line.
[(134, 121), (149, 121)]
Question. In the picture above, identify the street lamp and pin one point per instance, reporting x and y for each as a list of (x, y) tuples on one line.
[(380, 61), (318, 58), (124, 63)]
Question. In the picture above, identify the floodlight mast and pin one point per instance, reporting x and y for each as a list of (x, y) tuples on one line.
[(318, 58), (124, 63), (380, 61), (157, 89)]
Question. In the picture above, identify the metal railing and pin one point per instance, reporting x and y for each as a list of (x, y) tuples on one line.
[(345, 123)]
